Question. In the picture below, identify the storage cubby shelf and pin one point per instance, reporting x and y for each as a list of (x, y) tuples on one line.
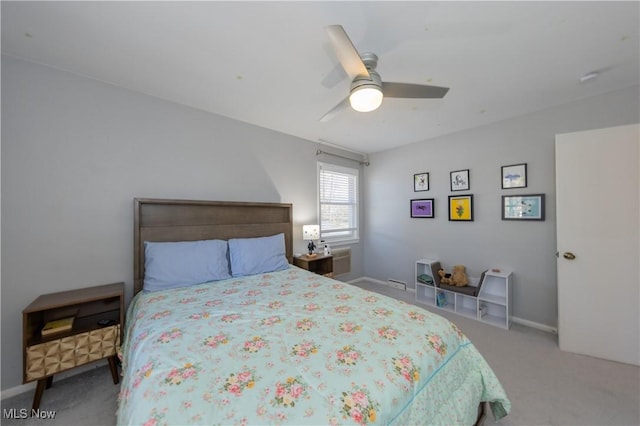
[(492, 304)]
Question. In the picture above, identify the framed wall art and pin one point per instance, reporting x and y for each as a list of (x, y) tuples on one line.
[(422, 208), (514, 176), (461, 208), (421, 182), (460, 180), (523, 207)]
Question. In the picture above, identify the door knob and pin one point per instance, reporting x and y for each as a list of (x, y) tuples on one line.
[(568, 255)]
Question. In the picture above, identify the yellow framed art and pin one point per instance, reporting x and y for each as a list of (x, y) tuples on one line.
[(461, 208)]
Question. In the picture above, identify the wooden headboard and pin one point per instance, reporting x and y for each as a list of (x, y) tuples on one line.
[(190, 220)]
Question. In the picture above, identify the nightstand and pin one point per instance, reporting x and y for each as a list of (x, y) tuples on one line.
[(319, 264), (95, 334)]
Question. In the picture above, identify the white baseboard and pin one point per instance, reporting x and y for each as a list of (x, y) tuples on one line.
[(384, 283), (357, 280), (17, 390), (536, 325)]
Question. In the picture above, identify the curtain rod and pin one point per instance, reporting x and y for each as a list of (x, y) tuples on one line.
[(318, 152)]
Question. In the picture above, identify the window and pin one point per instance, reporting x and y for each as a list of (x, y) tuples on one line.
[(338, 202)]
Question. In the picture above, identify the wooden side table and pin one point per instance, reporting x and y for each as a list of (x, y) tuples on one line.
[(95, 335), (319, 264)]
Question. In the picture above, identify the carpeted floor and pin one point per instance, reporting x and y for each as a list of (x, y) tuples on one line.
[(545, 385), (86, 399)]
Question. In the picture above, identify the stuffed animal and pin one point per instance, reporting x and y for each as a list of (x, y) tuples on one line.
[(459, 276), (444, 277)]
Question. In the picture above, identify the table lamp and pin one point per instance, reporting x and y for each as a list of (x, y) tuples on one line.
[(311, 232)]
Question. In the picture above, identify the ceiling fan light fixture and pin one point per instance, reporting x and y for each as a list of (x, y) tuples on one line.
[(366, 85), (366, 98)]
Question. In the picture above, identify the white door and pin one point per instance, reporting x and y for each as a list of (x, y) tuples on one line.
[(598, 237)]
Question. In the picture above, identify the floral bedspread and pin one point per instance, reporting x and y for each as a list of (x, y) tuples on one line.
[(293, 347)]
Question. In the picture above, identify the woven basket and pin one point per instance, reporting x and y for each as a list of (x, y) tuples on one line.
[(62, 354)]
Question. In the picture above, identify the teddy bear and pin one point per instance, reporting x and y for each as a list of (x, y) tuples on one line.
[(459, 276), (444, 277)]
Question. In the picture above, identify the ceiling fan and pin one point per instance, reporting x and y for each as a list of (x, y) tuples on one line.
[(367, 88)]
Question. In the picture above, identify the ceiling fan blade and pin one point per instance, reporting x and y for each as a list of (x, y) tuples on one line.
[(346, 52), (406, 90), (335, 110), (335, 76)]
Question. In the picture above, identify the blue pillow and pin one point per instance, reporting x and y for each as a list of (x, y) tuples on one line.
[(184, 263), (250, 256)]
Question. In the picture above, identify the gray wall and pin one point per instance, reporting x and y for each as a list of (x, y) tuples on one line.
[(75, 152), (395, 241)]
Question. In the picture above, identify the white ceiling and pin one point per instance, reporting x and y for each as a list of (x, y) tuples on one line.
[(271, 64)]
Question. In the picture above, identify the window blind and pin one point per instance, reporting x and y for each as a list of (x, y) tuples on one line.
[(338, 202)]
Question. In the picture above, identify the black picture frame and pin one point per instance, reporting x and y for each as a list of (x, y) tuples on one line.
[(421, 182), (514, 176), (459, 180), (523, 207), (461, 208), (423, 208)]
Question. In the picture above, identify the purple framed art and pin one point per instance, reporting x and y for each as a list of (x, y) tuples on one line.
[(422, 208)]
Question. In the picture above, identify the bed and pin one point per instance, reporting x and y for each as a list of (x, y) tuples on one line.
[(282, 346)]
